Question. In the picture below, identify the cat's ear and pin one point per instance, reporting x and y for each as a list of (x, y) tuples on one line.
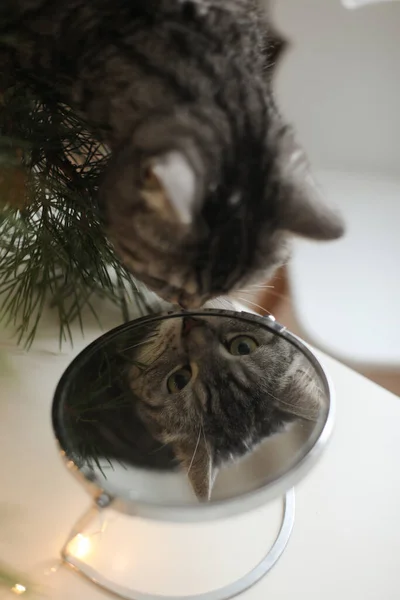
[(301, 207), (197, 461), (169, 187)]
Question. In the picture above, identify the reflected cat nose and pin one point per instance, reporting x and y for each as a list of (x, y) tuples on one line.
[(189, 323)]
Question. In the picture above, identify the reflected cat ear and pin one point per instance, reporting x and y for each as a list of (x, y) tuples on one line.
[(196, 460), (169, 187), (303, 397), (301, 207)]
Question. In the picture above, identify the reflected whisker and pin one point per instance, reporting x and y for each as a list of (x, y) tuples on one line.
[(147, 341), (194, 453), (308, 375), (303, 413), (205, 442)]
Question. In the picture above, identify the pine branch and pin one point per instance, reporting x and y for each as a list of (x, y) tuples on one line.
[(52, 246)]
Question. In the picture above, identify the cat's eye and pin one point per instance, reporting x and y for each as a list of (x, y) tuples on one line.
[(179, 380), (242, 345)]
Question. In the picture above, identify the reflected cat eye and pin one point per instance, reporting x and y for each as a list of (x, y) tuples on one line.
[(242, 345), (179, 379)]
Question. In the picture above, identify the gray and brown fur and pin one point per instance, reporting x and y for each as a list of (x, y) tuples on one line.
[(189, 79), (231, 404)]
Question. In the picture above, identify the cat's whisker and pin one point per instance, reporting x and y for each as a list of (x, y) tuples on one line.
[(213, 303), (227, 302), (194, 453), (254, 304), (271, 293), (260, 286), (278, 295), (205, 442), (220, 302)]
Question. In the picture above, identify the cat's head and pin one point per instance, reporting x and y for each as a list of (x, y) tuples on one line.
[(195, 214), (214, 388)]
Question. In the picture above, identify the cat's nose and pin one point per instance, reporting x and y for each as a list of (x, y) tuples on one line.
[(188, 302), (182, 304)]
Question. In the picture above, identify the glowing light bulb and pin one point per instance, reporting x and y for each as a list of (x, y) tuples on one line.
[(79, 546), (18, 589)]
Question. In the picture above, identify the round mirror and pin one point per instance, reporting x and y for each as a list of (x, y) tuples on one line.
[(191, 414)]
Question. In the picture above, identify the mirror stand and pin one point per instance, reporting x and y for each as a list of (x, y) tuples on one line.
[(139, 559), (240, 397)]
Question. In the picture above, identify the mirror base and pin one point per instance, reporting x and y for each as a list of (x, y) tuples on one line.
[(78, 554)]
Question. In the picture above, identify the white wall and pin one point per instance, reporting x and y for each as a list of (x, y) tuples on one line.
[(340, 82)]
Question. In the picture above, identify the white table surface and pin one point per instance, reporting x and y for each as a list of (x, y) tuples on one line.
[(346, 539)]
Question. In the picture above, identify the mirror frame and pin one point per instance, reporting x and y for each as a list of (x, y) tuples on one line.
[(273, 489)]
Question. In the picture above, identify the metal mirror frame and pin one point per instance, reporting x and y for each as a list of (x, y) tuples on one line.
[(273, 489)]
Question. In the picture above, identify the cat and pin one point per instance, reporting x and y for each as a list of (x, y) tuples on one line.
[(205, 182), (199, 392)]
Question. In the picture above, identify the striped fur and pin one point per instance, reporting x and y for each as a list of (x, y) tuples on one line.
[(232, 403), (189, 76)]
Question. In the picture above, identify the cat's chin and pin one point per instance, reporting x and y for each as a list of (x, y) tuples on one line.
[(221, 302)]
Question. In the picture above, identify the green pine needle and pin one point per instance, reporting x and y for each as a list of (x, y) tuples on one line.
[(52, 246)]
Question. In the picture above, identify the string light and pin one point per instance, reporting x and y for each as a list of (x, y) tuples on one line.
[(53, 569), (79, 546), (18, 589)]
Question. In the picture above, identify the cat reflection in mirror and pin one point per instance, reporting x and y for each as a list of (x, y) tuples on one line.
[(205, 183), (212, 389)]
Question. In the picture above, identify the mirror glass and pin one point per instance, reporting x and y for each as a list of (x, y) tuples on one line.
[(190, 407)]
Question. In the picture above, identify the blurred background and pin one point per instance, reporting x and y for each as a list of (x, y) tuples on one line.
[(339, 85)]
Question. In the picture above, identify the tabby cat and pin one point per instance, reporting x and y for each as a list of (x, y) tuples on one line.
[(213, 388), (205, 180)]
